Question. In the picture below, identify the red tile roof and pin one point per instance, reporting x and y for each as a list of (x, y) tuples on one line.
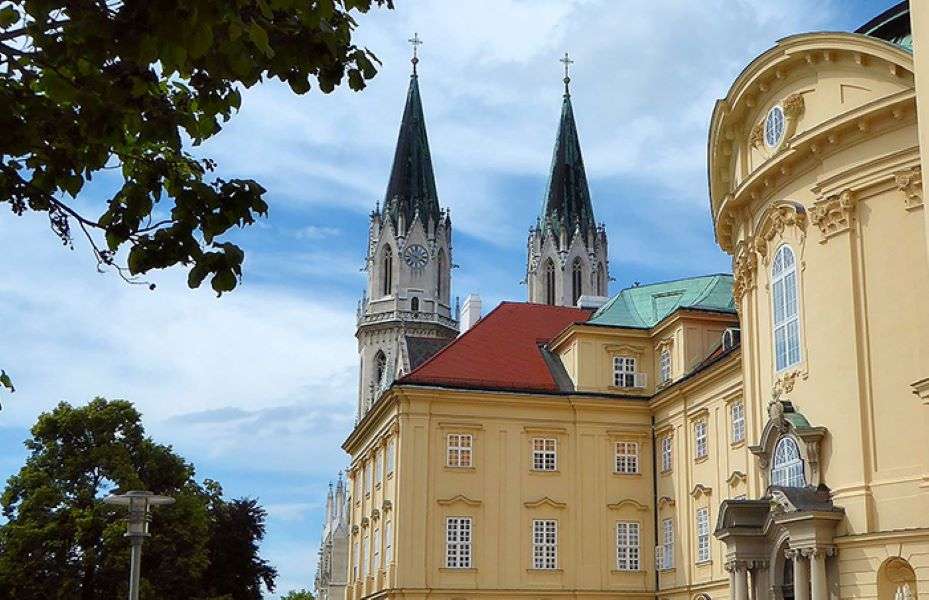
[(501, 351)]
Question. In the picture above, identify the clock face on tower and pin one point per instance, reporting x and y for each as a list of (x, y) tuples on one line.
[(416, 256)]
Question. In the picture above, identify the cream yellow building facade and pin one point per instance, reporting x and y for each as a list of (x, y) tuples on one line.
[(760, 435)]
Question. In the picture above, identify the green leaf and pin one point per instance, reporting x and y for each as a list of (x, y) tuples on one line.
[(224, 281), (259, 37), (8, 16)]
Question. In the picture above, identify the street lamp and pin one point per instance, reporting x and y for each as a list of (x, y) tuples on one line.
[(139, 504)]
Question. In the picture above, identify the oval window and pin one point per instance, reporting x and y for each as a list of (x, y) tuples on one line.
[(774, 127)]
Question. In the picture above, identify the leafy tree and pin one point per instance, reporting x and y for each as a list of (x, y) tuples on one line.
[(61, 542), (298, 595), (88, 85)]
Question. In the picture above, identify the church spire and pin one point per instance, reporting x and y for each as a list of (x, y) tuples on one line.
[(567, 199), (411, 188)]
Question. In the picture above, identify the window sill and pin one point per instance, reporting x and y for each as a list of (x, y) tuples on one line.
[(666, 472), (701, 459), (620, 474), (544, 471), (533, 570), (666, 570), (737, 444), (626, 571), (457, 569), (704, 563), (461, 469)]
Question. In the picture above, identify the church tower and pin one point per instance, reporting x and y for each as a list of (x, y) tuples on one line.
[(567, 249), (405, 316)]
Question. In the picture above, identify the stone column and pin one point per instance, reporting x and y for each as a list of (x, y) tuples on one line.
[(738, 578), (819, 580), (801, 574)]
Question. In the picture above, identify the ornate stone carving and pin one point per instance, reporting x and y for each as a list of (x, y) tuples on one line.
[(834, 214), (776, 219), (754, 137), (785, 383), (793, 106), (744, 269), (910, 182), (735, 566)]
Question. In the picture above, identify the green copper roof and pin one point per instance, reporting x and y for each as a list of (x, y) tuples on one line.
[(412, 183), (567, 199), (645, 306), (892, 25)]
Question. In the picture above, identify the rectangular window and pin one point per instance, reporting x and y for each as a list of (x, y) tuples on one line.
[(703, 534), (458, 542), (369, 481), (365, 557), (664, 366), (391, 454), (388, 542), (459, 449), (544, 544), (666, 454), (624, 371), (544, 455), (627, 546), (667, 545), (738, 422), (627, 457), (378, 467), (356, 560), (700, 442), (376, 540)]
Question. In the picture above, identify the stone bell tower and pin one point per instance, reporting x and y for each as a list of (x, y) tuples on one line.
[(567, 249), (405, 316)]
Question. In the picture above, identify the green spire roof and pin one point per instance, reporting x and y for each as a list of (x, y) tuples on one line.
[(645, 306), (567, 200), (412, 182)]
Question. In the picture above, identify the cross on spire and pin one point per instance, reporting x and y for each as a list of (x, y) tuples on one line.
[(416, 42), (567, 63)]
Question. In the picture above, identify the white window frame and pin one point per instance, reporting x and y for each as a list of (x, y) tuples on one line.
[(376, 551), (624, 374), (391, 454), (785, 309), (388, 542), (667, 454), (460, 450), (664, 560), (365, 557), (626, 458), (737, 414), (545, 544), (378, 467), (628, 546), (368, 479), (703, 534), (787, 471), (664, 366), (701, 439), (544, 454), (356, 550), (458, 536)]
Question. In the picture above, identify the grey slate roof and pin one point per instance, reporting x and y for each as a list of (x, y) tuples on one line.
[(422, 349), (412, 183), (567, 198)]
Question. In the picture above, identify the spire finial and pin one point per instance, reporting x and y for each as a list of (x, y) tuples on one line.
[(567, 62), (416, 42)]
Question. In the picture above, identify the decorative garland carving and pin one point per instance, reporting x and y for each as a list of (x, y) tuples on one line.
[(744, 267), (793, 106), (754, 138), (910, 182), (834, 214), (785, 383)]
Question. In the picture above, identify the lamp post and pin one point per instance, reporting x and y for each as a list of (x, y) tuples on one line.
[(139, 505)]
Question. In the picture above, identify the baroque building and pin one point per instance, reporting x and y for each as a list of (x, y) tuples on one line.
[(405, 316), (759, 435), (332, 567), (567, 249)]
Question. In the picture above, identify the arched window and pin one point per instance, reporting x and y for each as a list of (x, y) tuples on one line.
[(380, 365), (785, 309), (787, 467), (414, 304), (577, 287), (549, 282), (440, 276), (600, 289), (387, 272)]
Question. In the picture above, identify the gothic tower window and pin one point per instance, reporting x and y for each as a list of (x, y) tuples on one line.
[(786, 313), (787, 468), (414, 304), (380, 365), (388, 272), (549, 282), (576, 281), (440, 276)]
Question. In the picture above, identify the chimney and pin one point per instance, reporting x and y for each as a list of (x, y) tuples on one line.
[(470, 312)]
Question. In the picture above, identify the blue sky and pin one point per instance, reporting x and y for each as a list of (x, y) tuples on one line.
[(257, 388)]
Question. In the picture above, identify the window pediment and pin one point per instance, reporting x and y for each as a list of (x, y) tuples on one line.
[(545, 501), (459, 499), (783, 420), (628, 503), (625, 350)]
